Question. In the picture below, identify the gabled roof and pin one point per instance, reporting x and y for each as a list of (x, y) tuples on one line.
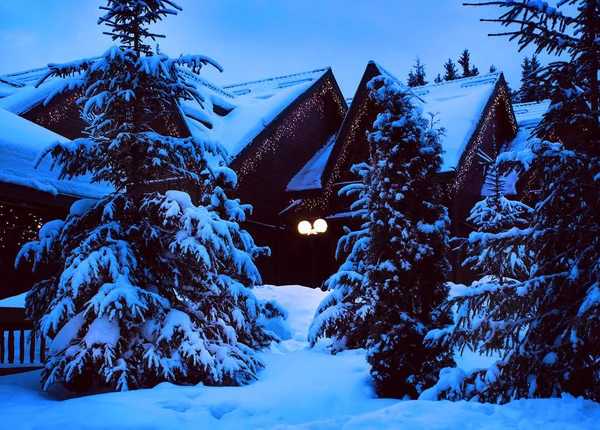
[(459, 106), (251, 107), (266, 88)]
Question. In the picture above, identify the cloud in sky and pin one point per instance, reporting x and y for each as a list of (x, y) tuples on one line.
[(255, 39)]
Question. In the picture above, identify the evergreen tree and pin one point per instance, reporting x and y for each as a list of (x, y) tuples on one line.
[(465, 63), (438, 79), (493, 69), (406, 256), (345, 314), (450, 71), (147, 287), (496, 251), (532, 88), (417, 79), (548, 322), (487, 250)]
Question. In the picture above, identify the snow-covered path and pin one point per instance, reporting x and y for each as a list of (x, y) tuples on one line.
[(299, 389)]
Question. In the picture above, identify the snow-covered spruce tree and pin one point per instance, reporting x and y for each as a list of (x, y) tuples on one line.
[(417, 78), (345, 314), (408, 245), (148, 287), (549, 321)]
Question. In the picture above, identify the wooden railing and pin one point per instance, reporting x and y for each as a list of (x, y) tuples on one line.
[(19, 350)]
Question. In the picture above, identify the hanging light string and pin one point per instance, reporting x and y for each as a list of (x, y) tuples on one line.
[(288, 128)]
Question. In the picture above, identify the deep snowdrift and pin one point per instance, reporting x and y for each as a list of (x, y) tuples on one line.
[(300, 389)]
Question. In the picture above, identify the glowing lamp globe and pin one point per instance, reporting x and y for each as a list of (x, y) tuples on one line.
[(304, 227), (320, 225)]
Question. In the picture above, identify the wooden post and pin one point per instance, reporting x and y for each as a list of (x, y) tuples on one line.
[(11, 346), (22, 346), (43, 348), (32, 347), (2, 352)]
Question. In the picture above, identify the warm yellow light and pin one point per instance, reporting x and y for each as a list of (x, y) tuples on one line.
[(320, 225), (304, 227)]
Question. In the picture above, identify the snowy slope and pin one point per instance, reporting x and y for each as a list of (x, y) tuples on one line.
[(21, 141), (299, 389)]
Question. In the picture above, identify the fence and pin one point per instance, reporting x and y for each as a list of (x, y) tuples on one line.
[(19, 351)]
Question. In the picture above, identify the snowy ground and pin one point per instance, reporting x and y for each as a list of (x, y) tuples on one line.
[(299, 389)]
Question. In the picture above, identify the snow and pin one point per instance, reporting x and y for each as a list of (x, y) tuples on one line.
[(458, 105), (299, 389), (309, 177), (26, 98), (14, 301), (21, 141)]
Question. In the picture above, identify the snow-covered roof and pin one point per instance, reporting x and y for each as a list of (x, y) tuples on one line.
[(21, 100), (530, 113), (240, 113), (309, 177), (528, 116), (266, 88), (21, 141), (27, 77), (252, 107), (458, 105)]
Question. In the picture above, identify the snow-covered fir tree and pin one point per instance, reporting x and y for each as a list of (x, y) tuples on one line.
[(345, 314), (417, 78), (450, 71), (547, 324), (408, 245), (147, 287), (465, 63)]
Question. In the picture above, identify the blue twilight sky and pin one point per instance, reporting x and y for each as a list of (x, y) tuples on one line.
[(254, 39)]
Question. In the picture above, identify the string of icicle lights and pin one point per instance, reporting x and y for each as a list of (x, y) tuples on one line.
[(288, 128)]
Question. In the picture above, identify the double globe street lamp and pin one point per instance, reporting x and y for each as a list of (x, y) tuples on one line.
[(305, 228)]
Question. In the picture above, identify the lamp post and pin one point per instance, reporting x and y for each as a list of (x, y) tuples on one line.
[(305, 228)]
